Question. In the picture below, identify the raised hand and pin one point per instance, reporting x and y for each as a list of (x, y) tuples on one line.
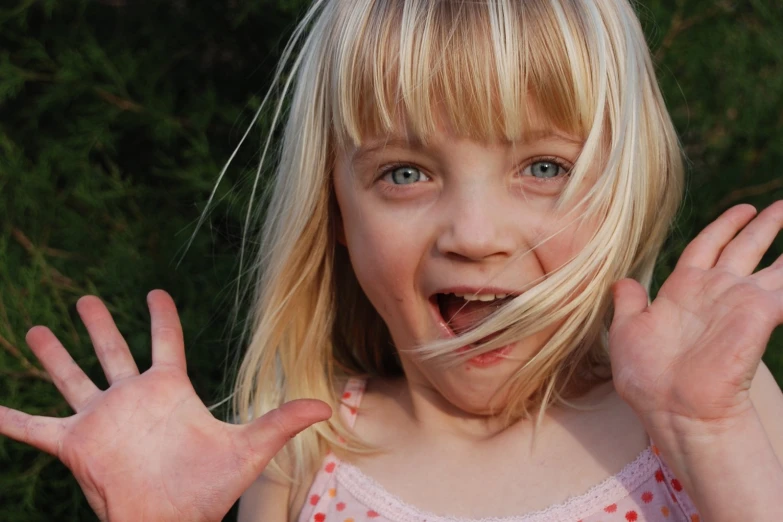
[(686, 363), (147, 448), (692, 353)]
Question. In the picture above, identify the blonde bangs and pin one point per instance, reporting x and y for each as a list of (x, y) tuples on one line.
[(472, 66)]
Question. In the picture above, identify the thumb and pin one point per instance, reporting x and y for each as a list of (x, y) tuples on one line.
[(630, 299), (270, 432)]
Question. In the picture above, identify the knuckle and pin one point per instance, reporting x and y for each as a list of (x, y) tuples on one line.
[(278, 420), (167, 333)]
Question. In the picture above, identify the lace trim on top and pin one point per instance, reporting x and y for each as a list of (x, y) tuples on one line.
[(366, 490)]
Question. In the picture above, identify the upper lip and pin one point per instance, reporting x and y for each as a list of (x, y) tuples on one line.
[(476, 290)]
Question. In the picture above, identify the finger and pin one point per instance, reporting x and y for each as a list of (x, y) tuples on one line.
[(110, 347), (743, 254), (704, 250), (269, 433), (43, 433), (630, 299), (168, 345), (771, 278), (72, 382)]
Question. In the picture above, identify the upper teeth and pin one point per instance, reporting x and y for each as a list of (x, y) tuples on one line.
[(481, 297)]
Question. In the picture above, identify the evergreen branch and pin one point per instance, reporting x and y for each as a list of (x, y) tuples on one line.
[(4, 317), (56, 280), (25, 375), (49, 251), (121, 103), (745, 192), (34, 472), (56, 277), (11, 288), (125, 104), (33, 76), (52, 276), (23, 240), (32, 371), (7, 14), (680, 25)]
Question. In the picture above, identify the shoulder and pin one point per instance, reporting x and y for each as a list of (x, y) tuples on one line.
[(607, 427), (273, 498), (279, 493), (768, 401), (265, 500)]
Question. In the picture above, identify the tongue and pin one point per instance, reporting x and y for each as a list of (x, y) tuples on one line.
[(463, 315)]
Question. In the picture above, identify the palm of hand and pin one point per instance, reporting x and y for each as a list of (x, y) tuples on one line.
[(693, 352), (146, 420), (147, 448)]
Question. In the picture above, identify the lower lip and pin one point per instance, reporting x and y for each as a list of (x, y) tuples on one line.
[(492, 358)]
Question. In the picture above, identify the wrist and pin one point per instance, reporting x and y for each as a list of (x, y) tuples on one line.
[(728, 468), (683, 434)]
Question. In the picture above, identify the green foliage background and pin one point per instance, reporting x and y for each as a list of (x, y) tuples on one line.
[(116, 117)]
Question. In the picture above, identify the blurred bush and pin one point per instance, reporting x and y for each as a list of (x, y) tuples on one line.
[(116, 117)]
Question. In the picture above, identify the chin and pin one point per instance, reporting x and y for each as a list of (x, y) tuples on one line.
[(476, 387), (475, 391)]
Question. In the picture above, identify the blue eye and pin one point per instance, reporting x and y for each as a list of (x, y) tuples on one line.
[(545, 169), (405, 175)]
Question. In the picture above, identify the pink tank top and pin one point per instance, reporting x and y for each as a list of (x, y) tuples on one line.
[(644, 490)]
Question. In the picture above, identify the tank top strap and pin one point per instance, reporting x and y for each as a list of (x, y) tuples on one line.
[(673, 485), (351, 399), (323, 492)]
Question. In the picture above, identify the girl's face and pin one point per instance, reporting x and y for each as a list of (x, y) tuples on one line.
[(455, 216)]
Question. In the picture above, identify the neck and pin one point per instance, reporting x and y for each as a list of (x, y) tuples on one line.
[(431, 413)]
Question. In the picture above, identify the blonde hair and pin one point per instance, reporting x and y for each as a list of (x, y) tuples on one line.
[(362, 65)]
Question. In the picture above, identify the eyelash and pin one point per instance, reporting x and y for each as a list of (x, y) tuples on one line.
[(388, 169), (560, 163), (393, 188)]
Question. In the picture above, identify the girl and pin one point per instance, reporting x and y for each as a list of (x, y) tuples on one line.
[(469, 201)]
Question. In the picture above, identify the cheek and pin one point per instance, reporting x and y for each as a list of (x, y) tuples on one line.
[(565, 240), (558, 250), (373, 248), (384, 266), (386, 245)]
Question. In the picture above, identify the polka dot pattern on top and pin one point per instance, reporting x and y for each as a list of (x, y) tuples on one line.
[(644, 491)]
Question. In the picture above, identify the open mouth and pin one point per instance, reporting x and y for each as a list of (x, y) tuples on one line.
[(460, 313)]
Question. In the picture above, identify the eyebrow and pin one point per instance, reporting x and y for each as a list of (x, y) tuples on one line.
[(402, 143), (542, 134), (393, 142)]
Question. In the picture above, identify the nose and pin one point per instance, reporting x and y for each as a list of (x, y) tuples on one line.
[(477, 226)]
